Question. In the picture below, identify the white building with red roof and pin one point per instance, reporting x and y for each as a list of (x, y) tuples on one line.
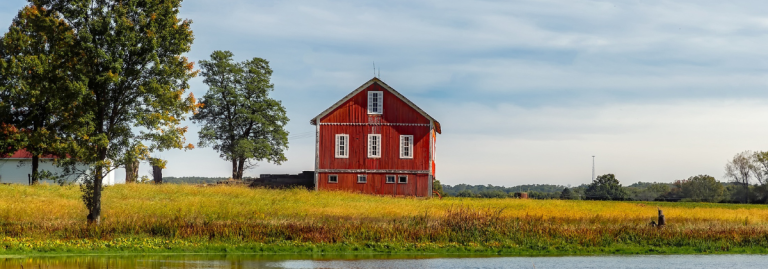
[(17, 168)]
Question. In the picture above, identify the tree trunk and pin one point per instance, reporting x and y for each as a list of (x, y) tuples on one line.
[(94, 216), (35, 158), (94, 206), (746, 193), (241, 164), (35, 173), (157, 174), (131, 171), (234, 168)]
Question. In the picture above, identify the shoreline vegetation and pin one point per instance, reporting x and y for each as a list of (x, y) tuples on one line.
[(174, 218)]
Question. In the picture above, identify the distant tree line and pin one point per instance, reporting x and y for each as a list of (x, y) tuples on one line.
[(536, 191), (747, 175), (701, 188), (193, 180)]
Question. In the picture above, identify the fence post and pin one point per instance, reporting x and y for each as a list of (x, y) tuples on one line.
[(662, 221), (157, 174)]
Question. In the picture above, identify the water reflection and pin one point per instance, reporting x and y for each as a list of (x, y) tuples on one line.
[(190, 261), (381, 261)]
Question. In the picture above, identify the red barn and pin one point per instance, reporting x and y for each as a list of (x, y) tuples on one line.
[(374, 140)]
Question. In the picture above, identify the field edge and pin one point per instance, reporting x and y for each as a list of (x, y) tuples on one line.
[(302, 248)]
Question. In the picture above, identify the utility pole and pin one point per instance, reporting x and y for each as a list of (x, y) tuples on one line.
[(593, 167)]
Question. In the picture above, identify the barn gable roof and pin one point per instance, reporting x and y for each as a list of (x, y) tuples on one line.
[(314, 120)]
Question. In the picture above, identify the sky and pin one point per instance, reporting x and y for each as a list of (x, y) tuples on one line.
[(526, 91)]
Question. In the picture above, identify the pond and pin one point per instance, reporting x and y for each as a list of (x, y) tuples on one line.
[(381, 261)]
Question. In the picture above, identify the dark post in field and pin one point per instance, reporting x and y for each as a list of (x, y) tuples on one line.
[(662, 222), (157, 174), (131, 171)]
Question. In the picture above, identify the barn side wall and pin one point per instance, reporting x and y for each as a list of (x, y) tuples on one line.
[(417, 184), (352, 118), (390, 148)]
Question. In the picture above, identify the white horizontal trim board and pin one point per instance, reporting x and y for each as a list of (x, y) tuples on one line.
[(392, 124), (373, 171)]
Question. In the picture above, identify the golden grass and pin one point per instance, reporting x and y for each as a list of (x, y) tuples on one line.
[(51, 203), (54, 216)]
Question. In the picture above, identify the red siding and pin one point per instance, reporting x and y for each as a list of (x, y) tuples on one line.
[(390, 147), (355, 110), (395, 111), (416, 186)]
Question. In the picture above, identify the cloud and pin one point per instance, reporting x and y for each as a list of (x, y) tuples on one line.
[(527, 52), (509, 145), (526, 91)]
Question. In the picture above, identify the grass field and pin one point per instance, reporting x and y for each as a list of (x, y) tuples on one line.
[(183, 218)]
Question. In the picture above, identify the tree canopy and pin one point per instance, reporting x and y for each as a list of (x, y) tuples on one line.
[(239, 119), (740, 170), (130, 76), (567, 194), (605, 187), (702, 188), (40, 85)]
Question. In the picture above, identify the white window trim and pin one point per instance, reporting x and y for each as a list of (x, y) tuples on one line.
[(346, 146), (379, 104), (402, 147), (402, 176), (365, 177), (337, 179), (378, 146), (394, 179)]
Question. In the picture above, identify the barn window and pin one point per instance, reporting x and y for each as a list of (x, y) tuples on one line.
[(375, 102), (362, 178), (374, 146), (333, 179), (342, 146), (406, 146), (402, 179), (390, 179)]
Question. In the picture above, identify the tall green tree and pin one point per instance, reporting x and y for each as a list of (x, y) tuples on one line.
[(702, 188), (238, 117), (605, 187), (40, 84), (760, 174), (740, 170), (567, 194), (760, 166), (438, 187), (131, 61)]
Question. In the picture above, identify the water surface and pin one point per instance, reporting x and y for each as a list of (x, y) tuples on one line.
[(383, 261)]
